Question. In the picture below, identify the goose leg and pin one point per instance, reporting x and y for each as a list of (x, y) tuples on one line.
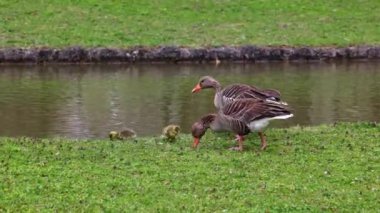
[(240, 148), (240, 140), (263, 141), (239, 137)]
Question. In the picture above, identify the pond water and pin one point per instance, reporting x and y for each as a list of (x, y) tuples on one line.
[(87, 101)]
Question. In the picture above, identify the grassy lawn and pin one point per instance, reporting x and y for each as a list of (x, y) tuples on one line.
[(333, 168), (60, 23)]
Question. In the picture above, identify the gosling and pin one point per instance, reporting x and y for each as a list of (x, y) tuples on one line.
[(122, 135), (171, 132)]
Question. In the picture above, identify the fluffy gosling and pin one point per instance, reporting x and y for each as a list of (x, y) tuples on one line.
[(171, 132)]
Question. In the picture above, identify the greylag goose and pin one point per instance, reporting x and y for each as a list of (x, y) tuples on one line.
[(122, 135), (170, 132), (235, 91), (241, 117)]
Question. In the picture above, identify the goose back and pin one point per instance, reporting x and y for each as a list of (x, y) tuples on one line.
[(248, 110), (241, 91)]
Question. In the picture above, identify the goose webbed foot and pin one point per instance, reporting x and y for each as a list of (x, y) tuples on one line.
[(263, 147), (236, 148), (240, 140)]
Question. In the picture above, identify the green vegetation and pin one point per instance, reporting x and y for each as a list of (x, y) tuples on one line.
[(333, 168), (188, 22)]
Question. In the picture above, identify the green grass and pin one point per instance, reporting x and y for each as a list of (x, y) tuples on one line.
[(188, 22), (324, 168)]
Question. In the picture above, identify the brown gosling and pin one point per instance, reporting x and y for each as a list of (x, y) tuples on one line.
[(171, 132), (122, 135)]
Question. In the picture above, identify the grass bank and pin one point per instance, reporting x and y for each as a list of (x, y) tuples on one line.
[(334, 168), (188, 22)]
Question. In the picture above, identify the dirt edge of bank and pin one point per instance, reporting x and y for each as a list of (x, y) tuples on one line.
[(175, 54)]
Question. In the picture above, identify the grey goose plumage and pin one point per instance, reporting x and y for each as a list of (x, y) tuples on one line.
[(242, 117), (236, 91)]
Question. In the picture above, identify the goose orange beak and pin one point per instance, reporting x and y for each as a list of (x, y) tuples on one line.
[(196, 142), (197, 88)]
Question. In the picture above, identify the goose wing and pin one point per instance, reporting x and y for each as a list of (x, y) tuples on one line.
[(233, 92), (272, 94), (242, 91), (256, 93), (248, 110)]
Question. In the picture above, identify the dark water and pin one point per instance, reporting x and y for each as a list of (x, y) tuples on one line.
[(81, 101)]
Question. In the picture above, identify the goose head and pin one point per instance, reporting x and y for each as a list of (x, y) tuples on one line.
[(204, 83), (200, 127)]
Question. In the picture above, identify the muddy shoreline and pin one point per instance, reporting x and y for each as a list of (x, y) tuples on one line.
[(174, 54)]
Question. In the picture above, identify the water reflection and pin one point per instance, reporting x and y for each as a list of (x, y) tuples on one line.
[(83, 101)]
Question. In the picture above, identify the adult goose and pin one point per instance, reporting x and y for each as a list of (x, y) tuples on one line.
[(235, 91), (241, 117)]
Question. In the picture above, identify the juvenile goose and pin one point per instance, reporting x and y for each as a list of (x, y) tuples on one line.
[(235, 91), (170, 132), (241, 117), (122, 135)]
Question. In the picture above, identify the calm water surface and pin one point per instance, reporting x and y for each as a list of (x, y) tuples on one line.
[(87, 101)]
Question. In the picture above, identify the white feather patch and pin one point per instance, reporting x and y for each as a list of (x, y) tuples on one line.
[(258, 125)]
